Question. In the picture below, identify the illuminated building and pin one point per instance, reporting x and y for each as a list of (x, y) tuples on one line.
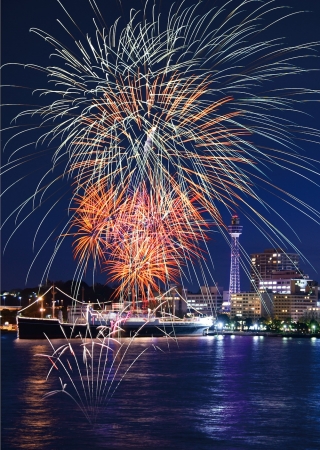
[(294, 306), (264, 265), (292, 298), (287, 282), (208, 301), (251, 305)]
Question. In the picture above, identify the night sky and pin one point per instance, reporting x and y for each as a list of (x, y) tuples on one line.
[(21, 46)]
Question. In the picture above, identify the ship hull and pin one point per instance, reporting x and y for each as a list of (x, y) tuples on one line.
[(172, 329), (33, 328)]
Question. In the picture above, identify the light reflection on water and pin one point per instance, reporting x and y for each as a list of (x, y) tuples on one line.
[(209, 392)]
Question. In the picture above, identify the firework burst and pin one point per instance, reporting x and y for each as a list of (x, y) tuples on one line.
[(90, 371), (185, 100), (142, 238)]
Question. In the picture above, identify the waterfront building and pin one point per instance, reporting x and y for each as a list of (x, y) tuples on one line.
[(293, 298), (287, 282), (295, 306), (251, 305), (264, 265), (208, 301)]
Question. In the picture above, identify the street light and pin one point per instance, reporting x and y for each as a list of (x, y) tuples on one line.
[(41, 308), (220, 326)]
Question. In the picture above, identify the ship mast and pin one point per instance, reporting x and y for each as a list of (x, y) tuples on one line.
[(53, 300)]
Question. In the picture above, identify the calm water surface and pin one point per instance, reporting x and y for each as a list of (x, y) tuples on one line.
[(204, 393)]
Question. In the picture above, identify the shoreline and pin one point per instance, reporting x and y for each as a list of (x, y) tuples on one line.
[(5, 330), (264, 333)]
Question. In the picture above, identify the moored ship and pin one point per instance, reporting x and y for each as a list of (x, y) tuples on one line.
[(113, 325), (83, 321)]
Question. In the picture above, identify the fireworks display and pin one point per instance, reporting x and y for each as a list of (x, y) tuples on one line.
[(93, 371), (159, 124), (144, 237)]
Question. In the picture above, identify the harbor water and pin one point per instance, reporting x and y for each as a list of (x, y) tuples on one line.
[(210, 392)]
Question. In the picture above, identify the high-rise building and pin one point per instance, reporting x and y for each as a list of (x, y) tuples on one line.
[(287, 282), (295, 300), (235, 229), (265, 264), (291, 298)]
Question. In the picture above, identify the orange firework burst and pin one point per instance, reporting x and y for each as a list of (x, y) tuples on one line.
[(94, 219), (143, 238), (157, 234)]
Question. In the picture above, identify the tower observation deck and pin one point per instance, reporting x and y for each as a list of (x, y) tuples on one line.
[(235, 229)]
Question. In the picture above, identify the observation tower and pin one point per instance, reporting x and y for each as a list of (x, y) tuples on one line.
[(235, 229)]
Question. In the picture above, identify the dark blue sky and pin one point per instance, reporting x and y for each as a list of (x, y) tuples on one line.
[(21, 46)]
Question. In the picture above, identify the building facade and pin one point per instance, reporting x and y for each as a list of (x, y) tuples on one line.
[(287, 282), (294, 306), (251, 305), (265, 264), (208, 301)]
